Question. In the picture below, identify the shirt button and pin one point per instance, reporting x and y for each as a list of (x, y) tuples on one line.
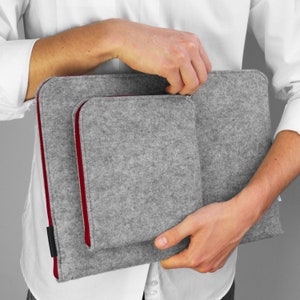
[(154, 282), (153, 292)]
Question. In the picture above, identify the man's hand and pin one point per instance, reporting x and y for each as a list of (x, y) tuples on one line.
[(175, 55), (216, 229)]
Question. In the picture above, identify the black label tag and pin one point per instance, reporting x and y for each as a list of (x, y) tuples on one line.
[(50, 233)]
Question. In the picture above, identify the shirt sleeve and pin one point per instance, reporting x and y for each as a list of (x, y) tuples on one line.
[(15, 52), (276, 26)]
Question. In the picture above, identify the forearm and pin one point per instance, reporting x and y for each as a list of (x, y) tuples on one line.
[(72, 52), (279, 168)]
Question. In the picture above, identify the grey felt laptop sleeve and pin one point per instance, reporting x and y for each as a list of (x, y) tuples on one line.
[(123, 162)]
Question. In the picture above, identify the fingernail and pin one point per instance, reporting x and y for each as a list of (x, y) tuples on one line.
[(162, 242)]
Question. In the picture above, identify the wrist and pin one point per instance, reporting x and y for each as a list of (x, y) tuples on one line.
[(252, 202), (110, 39)]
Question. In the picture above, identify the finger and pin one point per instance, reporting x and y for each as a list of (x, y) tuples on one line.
[(195, 72), (190, 257), (194, 75), (219, 265), (174, 235), (211, 267), (193, 257), (212, 264), (175, 81), (179, 260), (205, 58), (190, 79), (200, 68)]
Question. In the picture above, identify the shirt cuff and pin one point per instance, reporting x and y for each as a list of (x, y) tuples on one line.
[(290, 119), (14, 60), (8, 113)]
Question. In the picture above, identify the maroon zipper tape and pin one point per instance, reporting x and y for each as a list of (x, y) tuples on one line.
[(47, 195), (87, 235)]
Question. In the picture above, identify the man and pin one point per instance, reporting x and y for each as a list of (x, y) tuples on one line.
[(74, 37)]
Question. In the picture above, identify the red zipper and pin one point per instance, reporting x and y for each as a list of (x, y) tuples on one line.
[(87, 235), (47, 195)]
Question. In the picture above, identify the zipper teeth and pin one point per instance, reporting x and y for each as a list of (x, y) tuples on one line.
[(47, 195), (80, 168)]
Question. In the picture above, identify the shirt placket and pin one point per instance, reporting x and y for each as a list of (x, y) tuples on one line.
[(152, 286)]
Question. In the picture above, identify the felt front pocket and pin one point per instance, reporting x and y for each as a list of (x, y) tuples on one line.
[(138, 166)]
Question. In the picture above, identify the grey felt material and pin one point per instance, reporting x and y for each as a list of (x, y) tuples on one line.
[(233, 136), (141, 166)]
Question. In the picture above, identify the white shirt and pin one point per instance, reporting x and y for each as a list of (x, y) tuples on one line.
[(221, 26)]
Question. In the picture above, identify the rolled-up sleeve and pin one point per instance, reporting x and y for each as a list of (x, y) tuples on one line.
[(276, 26), (14, 61)]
